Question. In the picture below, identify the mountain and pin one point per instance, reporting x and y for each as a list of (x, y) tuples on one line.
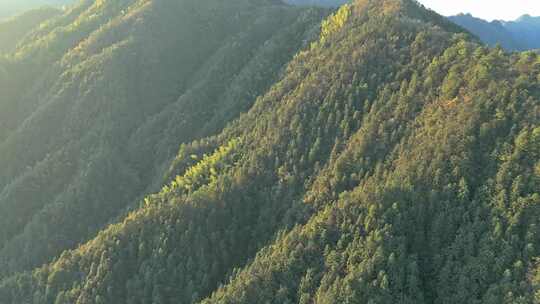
[(391, 158), (8, 8), (522, 34), (14, 29), (527, 30), (96, 102)]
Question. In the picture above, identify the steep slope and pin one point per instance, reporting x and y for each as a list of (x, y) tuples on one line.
[(14, 29), (395, 161), (448, 215), (97, 101), (434, 200)]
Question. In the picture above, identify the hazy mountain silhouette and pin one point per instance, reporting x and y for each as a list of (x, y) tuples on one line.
[(521, 34)]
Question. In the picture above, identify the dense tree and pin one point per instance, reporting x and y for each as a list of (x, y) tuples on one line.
[(97, 101), (395, 160), (14, 29)]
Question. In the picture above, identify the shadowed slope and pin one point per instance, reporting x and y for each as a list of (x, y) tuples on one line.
[(120, 85)]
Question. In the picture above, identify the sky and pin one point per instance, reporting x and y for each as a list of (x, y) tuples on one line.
[(486, 9)]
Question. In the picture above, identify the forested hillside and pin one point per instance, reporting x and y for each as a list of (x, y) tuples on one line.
[(393, 159), (13, 30), (96, 102)]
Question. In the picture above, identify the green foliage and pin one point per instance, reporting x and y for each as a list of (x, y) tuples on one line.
[(13, 30), (97, 101), (334, 23), (206, 171), (397, 162)]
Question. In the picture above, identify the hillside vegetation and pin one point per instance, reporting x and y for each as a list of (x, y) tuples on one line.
[(96, 102), (393, 159), (13, 30)]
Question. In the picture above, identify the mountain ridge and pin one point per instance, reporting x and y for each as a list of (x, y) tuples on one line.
[(518, 35), (388, 161)]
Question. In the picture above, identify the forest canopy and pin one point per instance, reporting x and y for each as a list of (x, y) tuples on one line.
[(377, 153)]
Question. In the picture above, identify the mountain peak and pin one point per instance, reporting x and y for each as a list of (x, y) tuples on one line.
[(359, 11), (382, 6), (525, 17), (528, 19), (411, 9)]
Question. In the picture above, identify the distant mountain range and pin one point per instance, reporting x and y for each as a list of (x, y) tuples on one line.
[(521, 34)]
